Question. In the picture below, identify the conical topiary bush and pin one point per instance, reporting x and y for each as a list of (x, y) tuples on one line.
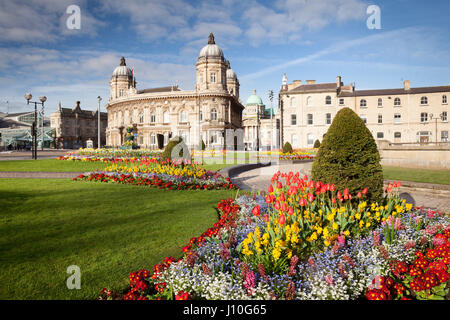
[(349, 158)]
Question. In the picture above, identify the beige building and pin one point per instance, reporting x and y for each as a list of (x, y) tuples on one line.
[(403, 115), (157, 114), (73, 127)]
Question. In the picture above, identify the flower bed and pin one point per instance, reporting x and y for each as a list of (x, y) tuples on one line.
[(305, 240)]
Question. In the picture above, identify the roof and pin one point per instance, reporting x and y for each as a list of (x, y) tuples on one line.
[(398, 91), (315, 87), (17, 114), (9, 123), (160, 89)]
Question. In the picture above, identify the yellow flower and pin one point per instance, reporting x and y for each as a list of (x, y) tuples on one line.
[(335, 226), (347, 233)]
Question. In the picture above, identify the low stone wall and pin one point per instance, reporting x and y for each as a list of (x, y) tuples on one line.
[(415, 156), (235, 170)]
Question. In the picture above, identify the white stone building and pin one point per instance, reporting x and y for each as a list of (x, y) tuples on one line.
[(157, 114), (402, 115)]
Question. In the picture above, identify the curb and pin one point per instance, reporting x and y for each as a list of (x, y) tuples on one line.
[(235, 170)]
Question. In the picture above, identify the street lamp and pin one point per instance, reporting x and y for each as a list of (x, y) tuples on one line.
[(28, 97), (98, 129), (441, 116)]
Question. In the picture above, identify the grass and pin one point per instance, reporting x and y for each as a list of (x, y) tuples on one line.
[(51, 165), (108, 230), (417, 175)]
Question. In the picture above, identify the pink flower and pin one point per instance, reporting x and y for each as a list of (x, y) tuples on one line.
[(329, 279)]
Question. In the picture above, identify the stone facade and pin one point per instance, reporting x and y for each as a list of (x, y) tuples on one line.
[(73, 127), (158, 114), (403, 115)]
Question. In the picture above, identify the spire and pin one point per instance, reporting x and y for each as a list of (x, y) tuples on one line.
[(122, 61), (284, 81), (254, 91), (211, 39), (59, 106)]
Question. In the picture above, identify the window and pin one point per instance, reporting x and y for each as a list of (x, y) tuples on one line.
[(292, 102), (380, 102), (341, 101), (213, 77), (121, 92), (423, 100), (397, 135), (309, 101), (141, 139), (201, 77), (166, 138), (380, 135), (184, 135), (397, 102), (166, 117), (213, 138), (201, 116), (363, 103), (153, 139), (293, 119), (363, 118), (310, 139), (294, 140), (310, 118), (141, 118), (380, 118), (444, 116), (328, 118), (424, 136), (328, 100), (444, 99), (213, 114), (183, 116), (444, 136), (397, 118), (152, 117), (423, 117)]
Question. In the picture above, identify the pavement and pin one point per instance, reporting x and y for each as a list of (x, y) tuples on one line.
[(433, 196), (38, 175), (27, 155)]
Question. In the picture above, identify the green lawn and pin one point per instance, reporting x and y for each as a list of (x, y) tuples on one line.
[(108, 230), (51, 165), (417, 175)]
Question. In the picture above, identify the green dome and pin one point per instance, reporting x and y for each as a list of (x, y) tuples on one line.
[(254, 100)]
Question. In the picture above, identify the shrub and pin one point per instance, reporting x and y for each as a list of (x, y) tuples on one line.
[(287, 148), (349, 158), (167, 153), (317, 144)]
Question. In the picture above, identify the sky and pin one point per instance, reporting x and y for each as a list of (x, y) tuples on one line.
[(43, 51)]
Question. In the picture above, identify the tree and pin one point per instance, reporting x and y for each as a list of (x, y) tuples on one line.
[(348, 157), (287, 148), (317, 143)]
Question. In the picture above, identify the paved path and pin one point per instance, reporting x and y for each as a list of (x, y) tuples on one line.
[(417, 194), (27, 155), (38, 175)]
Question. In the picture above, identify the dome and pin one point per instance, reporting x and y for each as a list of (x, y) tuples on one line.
[(231, 74), (254, 100), (211, 49), (122, 70)]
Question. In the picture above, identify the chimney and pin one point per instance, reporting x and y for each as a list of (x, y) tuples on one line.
[(297, 83), (78, 104), (406, 85), (310, 81), (338, 82)]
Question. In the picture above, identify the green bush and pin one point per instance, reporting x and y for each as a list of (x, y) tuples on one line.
[(349, 158), (317, 144), (287, 148), (167, 153)]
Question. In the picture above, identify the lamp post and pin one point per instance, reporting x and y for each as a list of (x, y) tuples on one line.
[(441, 116), (42, 127), (271, 118), (28, 97), (98, 127)]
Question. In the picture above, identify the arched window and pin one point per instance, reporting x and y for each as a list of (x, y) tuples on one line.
[(166, 117), (397, 102), (141, 118), (183, 116), (309, 101), (213, 114), (152, 117), (424, 100), (380, 102), (328, 100), (153, 139), (363, 103)]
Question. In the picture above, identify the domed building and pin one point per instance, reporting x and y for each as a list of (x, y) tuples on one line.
[(258, 125), (158, 114)]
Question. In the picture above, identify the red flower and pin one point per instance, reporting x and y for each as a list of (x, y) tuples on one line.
[(302, 202), (182, 295), (290, 211), (281, 219), (364, 191), (256, 210)]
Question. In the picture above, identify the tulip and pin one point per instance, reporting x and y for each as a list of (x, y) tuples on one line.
[(332, 187), (345, 192), (270, 189), (310, 197), (281, 219), (277, 205), (284, 206), (359, 195), (266, 218), (268, 199), (279, 185), (364, 191), (333, 200), (282, 197), (256, 210), (302, 202), (339, 195), (290, 211)]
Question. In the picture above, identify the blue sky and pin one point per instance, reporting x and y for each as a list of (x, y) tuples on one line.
[(307, 39)]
